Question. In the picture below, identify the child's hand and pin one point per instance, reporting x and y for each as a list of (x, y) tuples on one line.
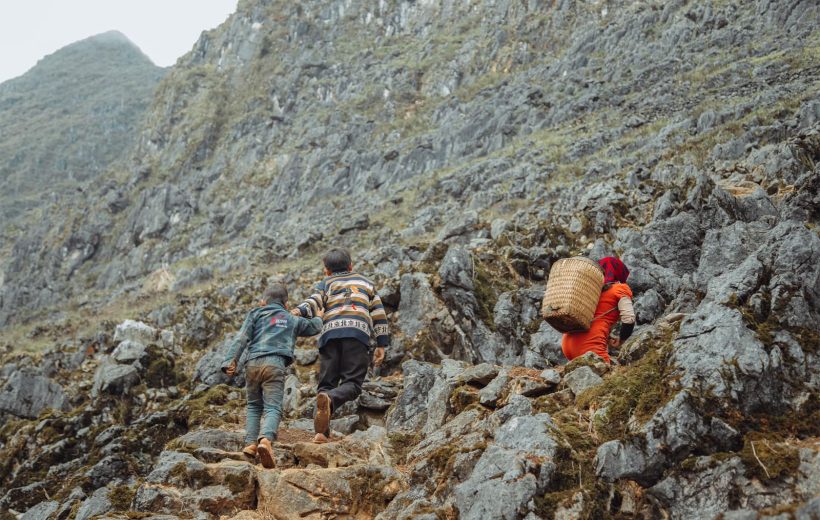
[(320, 313), (378, 356), (231, 370), (295, 311), (614, 342)]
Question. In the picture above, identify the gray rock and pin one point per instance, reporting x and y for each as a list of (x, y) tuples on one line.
[(158, 499), (464, 224), (546, 343), (129, 351), (345, 425), (530, 386), (211, 438), (113, 378), (497, 228), (582, 378), (410, 410), (438, 404), (97, 504), (480, 374), (616, 459), (176, 469), (376, 395), (715, 487), (305, 356), (136, 331), (41, 510), (419, 307), (208, 369), (517, 406), (26, 395), (674, 242), (551, 376), (740, 514), (291, 397), (809, 511), (715, 342), (511, 471), (493, 392), (532, 434), (457, 268), (499, 487), (109, 469)]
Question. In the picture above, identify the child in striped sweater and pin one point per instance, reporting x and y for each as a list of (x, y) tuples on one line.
[(353, 314)]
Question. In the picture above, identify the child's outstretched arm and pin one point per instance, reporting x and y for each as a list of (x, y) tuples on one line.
[(309, 327), (314, 303), (239, 344)]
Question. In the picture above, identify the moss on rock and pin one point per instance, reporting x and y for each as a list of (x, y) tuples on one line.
[(639, 390), (767, 457)]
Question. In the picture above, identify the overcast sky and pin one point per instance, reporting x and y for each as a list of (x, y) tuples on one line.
[(163, 29)]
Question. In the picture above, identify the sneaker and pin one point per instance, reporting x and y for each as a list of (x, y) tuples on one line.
[(250, 450), (321, 422), (265, 451), (320, 438)]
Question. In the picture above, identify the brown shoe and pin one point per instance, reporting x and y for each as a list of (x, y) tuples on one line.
[(250, 450), (321, 422), (320, 438), (265, 451)]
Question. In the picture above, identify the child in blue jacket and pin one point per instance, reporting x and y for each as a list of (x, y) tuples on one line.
[(269, 333)]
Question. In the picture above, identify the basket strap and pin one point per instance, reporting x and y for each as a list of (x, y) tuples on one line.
[(605, 313)]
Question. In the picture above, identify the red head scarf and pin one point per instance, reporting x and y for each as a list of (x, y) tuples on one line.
[(614, 270)]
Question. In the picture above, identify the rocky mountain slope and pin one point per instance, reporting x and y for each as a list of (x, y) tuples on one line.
[(67, 120), (459, 149)]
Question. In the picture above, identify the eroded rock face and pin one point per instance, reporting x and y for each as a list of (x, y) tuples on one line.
[(26, 394)]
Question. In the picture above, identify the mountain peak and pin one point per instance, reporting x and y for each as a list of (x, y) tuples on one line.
[(112, 36)]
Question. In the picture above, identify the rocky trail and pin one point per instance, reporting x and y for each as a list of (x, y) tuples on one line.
[(447, 440)]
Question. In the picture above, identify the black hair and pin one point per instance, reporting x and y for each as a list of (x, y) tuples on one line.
[(337, 260), (276, 293)]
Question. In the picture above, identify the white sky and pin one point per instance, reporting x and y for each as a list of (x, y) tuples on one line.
[(163, 29)]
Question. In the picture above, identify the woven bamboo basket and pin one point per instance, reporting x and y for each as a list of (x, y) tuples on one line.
[(573, 290)]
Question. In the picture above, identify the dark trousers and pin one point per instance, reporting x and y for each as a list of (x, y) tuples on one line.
[(343, 366)]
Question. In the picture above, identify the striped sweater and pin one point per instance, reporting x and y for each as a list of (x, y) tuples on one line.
[(352, 309)]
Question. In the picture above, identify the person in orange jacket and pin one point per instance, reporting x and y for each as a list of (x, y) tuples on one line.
[(615, 303)]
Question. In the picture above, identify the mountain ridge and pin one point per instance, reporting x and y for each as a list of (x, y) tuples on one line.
[(70, 117)]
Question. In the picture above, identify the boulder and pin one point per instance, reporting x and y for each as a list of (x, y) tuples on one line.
[(517, 406), (480, 374), (136, 331), (715, 342), (211, 438), (493, 392), (97, 504), (26, 394), (582, 378), (208, 369), (41, 510), (511, 471), (113, 378), (545, 344), (305, 356), (716, 486), (129, 351), (295, 494), (410, 410)]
